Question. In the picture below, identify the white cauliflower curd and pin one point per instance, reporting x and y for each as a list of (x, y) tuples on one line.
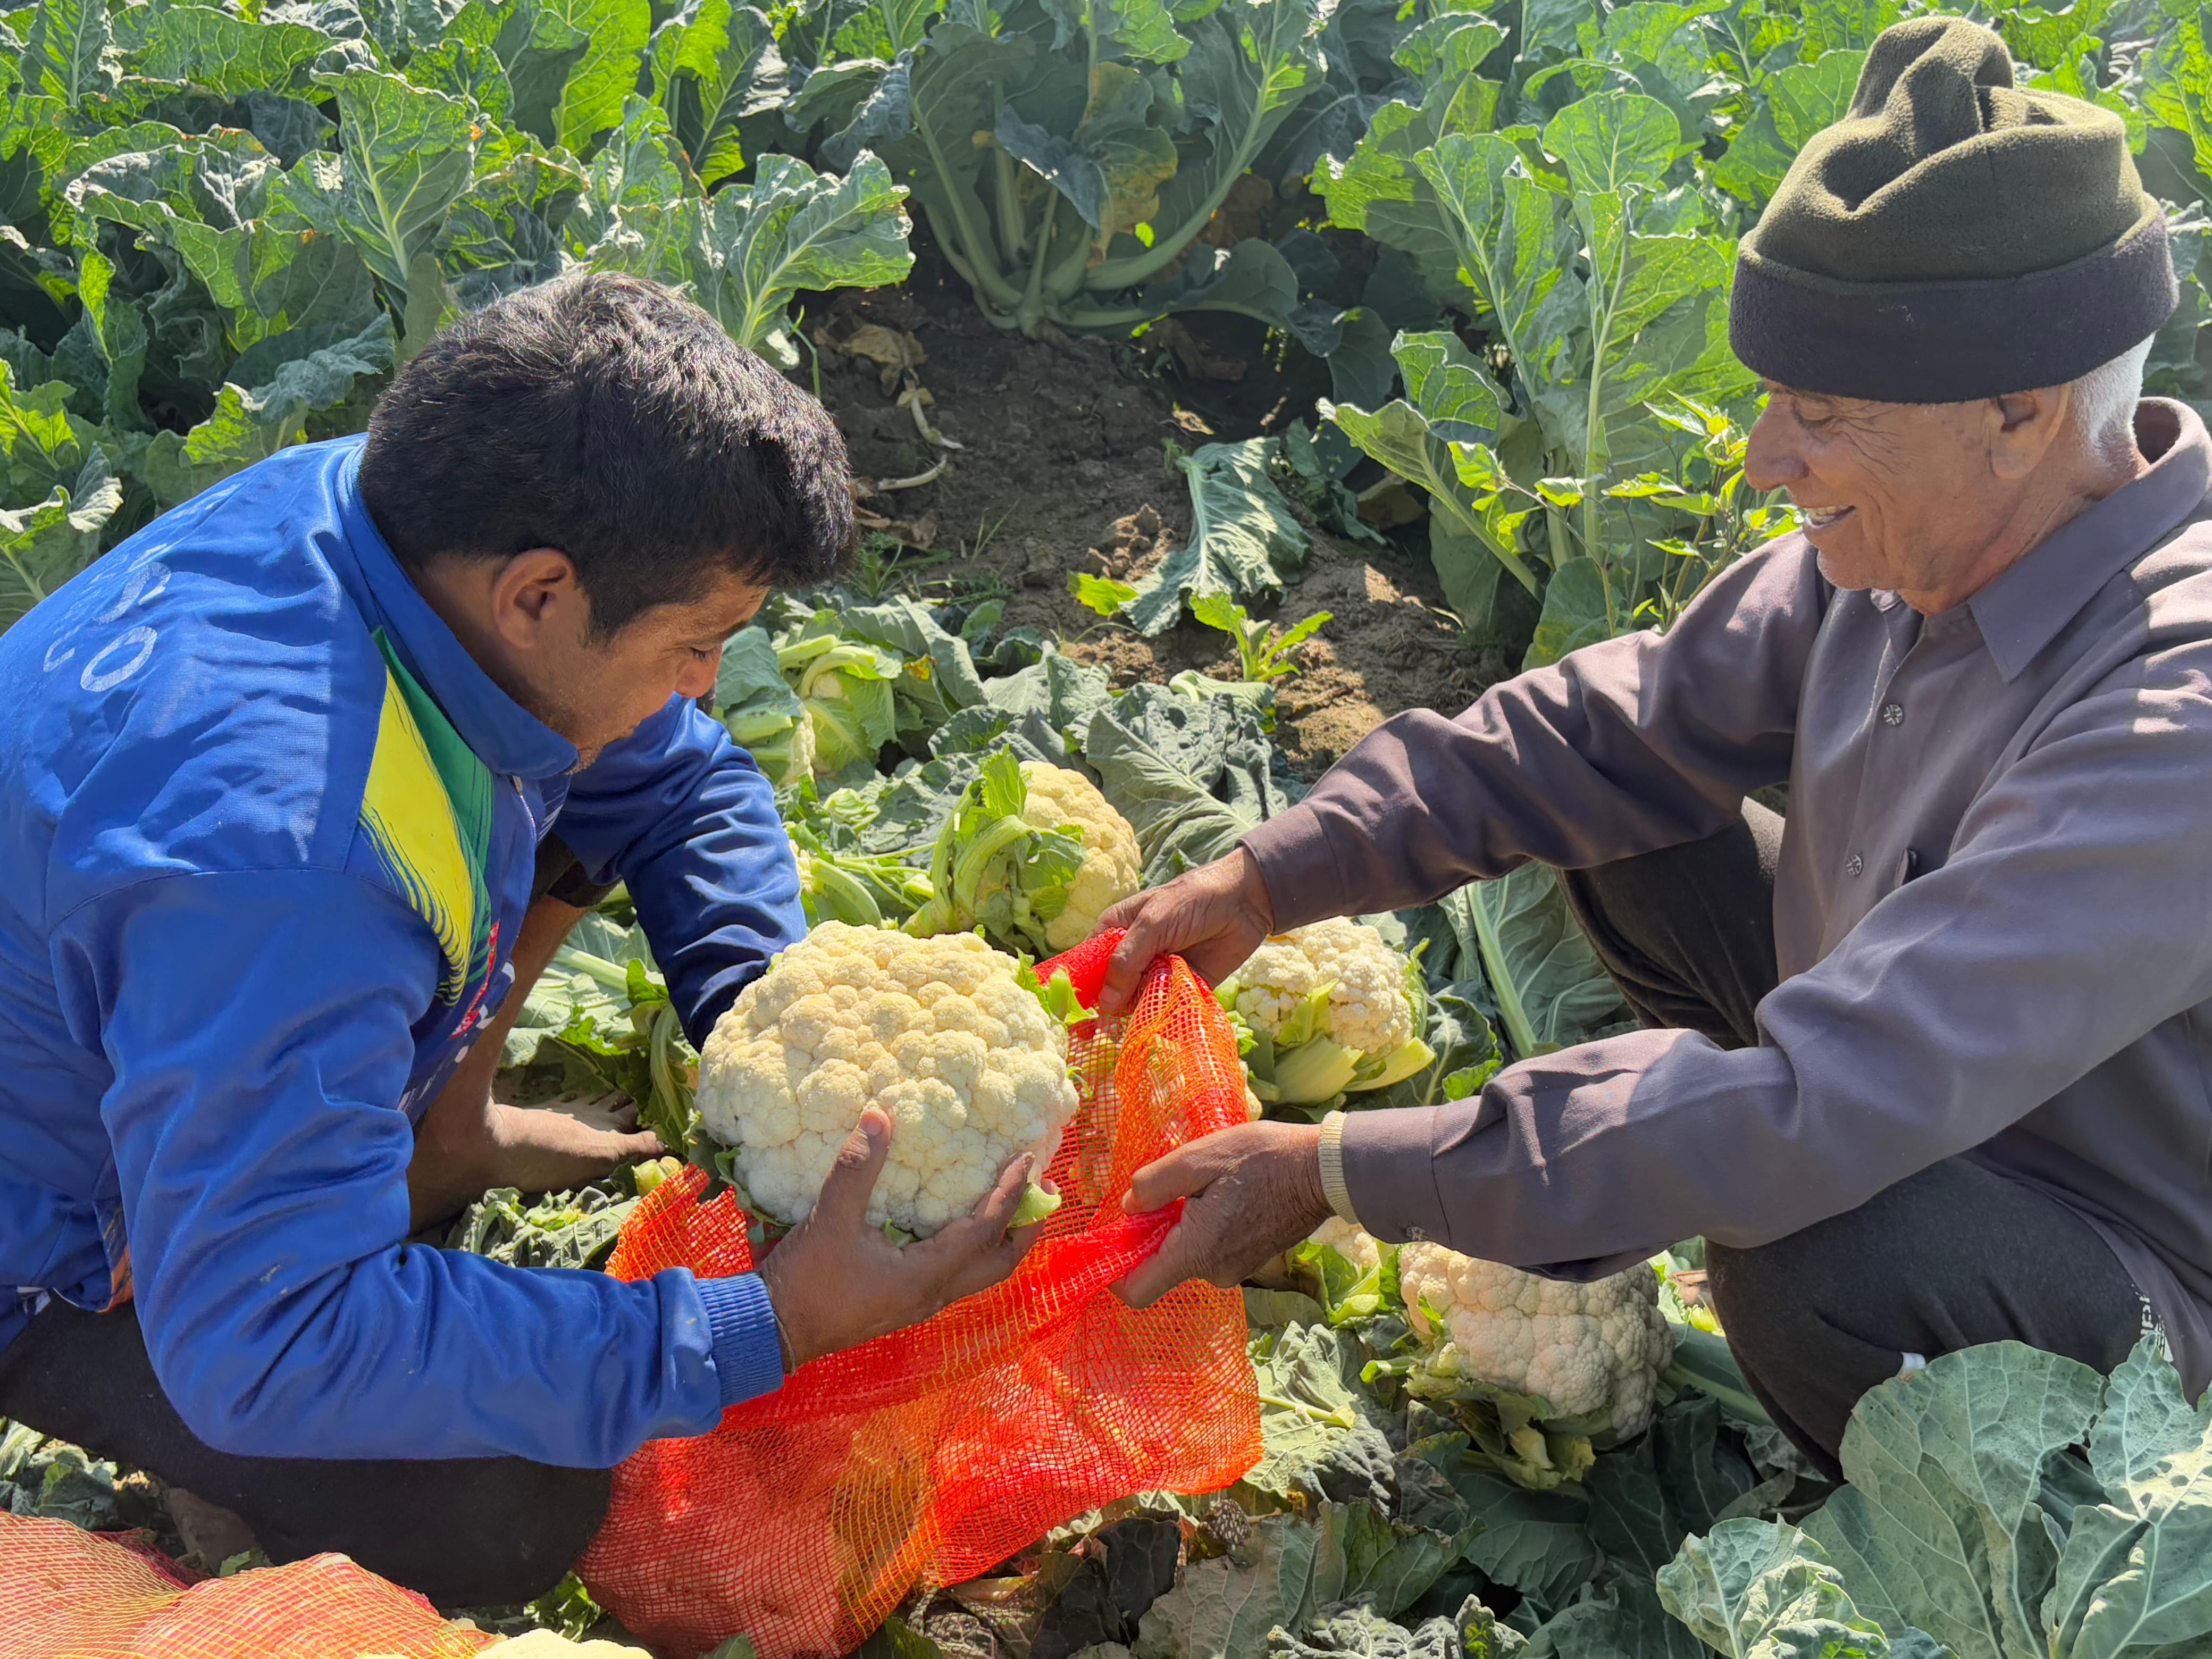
[(1112, 866), (1333, 1009), (1582, 1349), (938, 1032)]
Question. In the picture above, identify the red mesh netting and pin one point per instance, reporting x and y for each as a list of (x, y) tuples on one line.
[(927, 1456), (71, 1595)]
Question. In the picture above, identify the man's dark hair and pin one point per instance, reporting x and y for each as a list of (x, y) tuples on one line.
[(609, 418)]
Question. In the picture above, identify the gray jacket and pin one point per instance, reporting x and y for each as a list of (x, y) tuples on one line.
[(1993, 915)]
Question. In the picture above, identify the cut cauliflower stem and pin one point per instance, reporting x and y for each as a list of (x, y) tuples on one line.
[(1112, 866), (1591, 1351), (941, 1033), (1333, 1009)]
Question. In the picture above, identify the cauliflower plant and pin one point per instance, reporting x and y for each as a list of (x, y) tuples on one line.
[(1584, 1350), (941, 1033), (1112, 866), (1032, 854), (1332, 1009)]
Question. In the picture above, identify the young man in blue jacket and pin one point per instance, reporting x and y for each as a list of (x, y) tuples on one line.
[(300, 787)]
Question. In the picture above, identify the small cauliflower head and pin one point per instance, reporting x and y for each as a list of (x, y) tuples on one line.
[(1368, 1008), (1581, 1348), (1354, 1245), (938, 1032), (1112, 866)]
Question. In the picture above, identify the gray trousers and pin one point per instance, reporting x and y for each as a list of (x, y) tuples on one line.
[(1954, 1255)]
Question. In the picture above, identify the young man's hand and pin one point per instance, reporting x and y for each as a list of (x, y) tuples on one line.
[(1214, 917), (836, 1281)]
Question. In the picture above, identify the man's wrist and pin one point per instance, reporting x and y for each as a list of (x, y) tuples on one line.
[(1256, 890), (1329, 1158)]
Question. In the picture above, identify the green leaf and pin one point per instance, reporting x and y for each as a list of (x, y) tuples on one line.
[(1322, 1435), (1191, 776), (716, 66), (2134, 1574), (409, 152), (1797, 101), (752, 247), (1552, 990), (42, 546), (1454, 392), (1614, 141), (1245, 541), (1102, 594), (308, 371), (1941, 1528), (69, 50), (1759, 1590), (212, 49), (1574, 612)]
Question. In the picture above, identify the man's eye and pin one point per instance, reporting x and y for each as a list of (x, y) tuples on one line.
[(706, 655)]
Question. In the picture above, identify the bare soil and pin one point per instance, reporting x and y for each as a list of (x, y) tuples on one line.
[(1062, 467)]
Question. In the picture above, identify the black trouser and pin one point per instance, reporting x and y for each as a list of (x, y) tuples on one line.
[(1953, 1256), (465, 1532)]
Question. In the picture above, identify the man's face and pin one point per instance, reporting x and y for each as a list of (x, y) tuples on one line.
[(602, 690), (528, 622), (1900, 496)]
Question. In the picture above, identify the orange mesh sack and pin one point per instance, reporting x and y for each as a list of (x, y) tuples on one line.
[(927, 1456), (72, 1595)]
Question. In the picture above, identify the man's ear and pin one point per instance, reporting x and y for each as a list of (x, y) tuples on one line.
[(2023, 426), (536, 600)]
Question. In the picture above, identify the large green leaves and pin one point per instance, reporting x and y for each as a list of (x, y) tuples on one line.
[(43, 545), (1972, 1521), (747, 250), (1754, 1591), (716, 67), (1941, 1526), (1244, 542), (409, 152), (1552, 990)]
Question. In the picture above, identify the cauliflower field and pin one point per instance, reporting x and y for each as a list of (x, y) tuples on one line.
[(1312, 284)]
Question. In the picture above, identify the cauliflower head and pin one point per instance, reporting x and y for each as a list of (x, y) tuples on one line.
[(938, 1032), (1338, 1009), (1368, 1007), (1112, 866), (1353, 1243), (1581, 1348)]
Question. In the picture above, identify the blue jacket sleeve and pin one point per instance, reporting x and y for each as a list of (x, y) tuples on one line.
[(683, 815), (258, 1027)]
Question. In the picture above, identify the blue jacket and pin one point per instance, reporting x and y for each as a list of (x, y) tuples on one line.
[(270, 832)]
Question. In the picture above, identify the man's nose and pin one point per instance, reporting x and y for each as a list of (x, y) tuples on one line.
[(698, 679), (1769, 457)]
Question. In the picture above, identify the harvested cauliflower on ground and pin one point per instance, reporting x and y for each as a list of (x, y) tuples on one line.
[(939, 1032), (1582, 1349)]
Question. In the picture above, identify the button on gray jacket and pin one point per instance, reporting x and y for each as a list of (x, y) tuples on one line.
[(2037, 996)]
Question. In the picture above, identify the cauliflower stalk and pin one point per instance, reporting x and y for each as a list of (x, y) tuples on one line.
[(1032, 853), (949, 1036), (1331, 1010)]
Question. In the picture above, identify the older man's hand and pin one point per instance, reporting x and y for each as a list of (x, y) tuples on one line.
[(1214, 917), (1253, 1191)]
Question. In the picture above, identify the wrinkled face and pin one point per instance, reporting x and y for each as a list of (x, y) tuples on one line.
[(528, 622), (1894, 495)]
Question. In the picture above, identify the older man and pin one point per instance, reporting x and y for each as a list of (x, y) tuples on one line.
[(1934, 1066)]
